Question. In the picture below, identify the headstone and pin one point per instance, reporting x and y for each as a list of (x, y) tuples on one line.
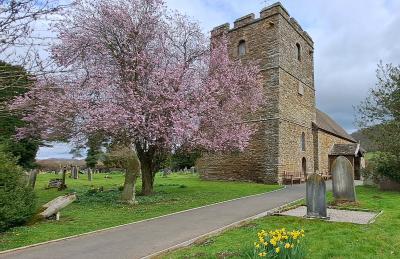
[(32, 178), (89, 174), (316, 196), (343, 180), (63, 185), (74, 172), (55, 183), (192, 170)]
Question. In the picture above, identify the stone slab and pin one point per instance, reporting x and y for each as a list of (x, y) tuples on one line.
[(335, 215)]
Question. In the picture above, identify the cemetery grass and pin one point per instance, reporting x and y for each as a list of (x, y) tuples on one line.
[(96, 210), (322, 239)]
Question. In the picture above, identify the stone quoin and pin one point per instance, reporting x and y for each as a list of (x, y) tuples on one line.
[(293, 135)]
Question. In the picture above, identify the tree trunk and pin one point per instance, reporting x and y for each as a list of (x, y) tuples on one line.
[(132, 172), (148, 169), (147, 178)]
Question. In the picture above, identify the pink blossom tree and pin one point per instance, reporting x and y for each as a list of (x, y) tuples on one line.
[(146, 78)]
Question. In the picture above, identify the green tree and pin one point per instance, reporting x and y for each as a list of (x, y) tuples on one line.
[(379, 116), (181, 159), (17, 201), (381, 109), (15, 81), (94, 152)]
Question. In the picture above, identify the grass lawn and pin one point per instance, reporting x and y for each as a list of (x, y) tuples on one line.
[(98, 210), (322, 239)]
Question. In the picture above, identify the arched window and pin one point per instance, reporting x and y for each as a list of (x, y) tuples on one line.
[(298, 51), (303, 141), (242, 48)]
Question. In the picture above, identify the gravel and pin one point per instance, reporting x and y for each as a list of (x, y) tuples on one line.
[(336, 215)]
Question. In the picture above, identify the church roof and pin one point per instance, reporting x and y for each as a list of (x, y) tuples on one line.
[(326, 123), (352, 149)]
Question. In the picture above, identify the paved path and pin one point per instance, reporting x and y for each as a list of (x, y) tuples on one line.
[(141, 239)]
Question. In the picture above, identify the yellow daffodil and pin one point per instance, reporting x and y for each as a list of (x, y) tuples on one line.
[(277, 250), (287, 245)]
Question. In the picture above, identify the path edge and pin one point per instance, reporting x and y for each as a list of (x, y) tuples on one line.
[(219, 230), (132, 223)]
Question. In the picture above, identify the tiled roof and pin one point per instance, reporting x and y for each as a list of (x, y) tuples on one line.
[(326, 123), (346, 150)]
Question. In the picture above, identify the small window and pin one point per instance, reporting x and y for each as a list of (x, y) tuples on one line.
[(303, 141), (242, 48), (298, 51)]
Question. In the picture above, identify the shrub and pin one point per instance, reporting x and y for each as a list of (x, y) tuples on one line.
[(17, 202), (383, 165), (278, 244)]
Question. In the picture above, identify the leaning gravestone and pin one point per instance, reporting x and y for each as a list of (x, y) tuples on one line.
[(316, 196), (343, 180)]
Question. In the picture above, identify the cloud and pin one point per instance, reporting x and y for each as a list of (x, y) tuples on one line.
[(56, 150), (351, 37)]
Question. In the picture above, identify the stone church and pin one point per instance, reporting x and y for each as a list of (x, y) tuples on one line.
[(293, 135)]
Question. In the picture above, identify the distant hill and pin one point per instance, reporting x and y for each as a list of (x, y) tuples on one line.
[(57, 163), (366, 143)]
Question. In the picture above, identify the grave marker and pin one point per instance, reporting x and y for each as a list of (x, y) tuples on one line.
[(343, 180)]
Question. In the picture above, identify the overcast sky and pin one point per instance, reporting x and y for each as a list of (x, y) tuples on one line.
[(350, 38)]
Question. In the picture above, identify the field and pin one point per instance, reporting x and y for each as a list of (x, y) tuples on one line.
[(97, 210), (322, 239)]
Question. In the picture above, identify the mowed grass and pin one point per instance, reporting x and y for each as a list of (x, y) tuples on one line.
[(98, 210), (322, 239)]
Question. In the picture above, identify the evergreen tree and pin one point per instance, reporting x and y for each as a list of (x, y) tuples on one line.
[(14, 82)]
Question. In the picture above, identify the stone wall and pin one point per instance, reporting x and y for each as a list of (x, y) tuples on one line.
[(259, 161), (325, 144), (271, 41), (296, 98)]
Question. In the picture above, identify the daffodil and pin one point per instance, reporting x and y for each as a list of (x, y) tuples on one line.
[(277, 250)]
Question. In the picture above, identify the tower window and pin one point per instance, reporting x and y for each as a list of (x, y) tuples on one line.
[(303, 141), (242, 48), (298, 51)]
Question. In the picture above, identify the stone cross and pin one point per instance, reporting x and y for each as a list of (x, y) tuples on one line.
[(343, 180), (316, 196)]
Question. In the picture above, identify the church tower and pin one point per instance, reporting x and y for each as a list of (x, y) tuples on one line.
[(284, 140)]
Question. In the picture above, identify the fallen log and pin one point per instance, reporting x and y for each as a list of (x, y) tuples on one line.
[(54, 206)]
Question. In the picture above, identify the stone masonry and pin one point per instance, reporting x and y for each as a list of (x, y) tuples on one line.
[(284, 52)]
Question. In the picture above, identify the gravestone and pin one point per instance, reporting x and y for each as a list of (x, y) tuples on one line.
[(316, 196), (74, 171), (32, 178), (89, 173), (343, 180), (63, 185), (55, 183)]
